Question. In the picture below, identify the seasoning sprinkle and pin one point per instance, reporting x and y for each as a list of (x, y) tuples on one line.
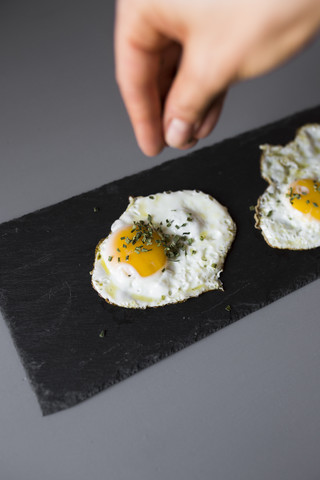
[(172, 244)]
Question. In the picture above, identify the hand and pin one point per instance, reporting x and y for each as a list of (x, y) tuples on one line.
[(175, 59)]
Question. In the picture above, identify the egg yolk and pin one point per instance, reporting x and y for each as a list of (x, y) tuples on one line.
[(304, 196), (145, 254)]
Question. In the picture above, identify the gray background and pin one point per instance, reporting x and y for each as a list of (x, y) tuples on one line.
[(243, 403)]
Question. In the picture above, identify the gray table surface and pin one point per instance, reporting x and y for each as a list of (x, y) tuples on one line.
[(241, 404)]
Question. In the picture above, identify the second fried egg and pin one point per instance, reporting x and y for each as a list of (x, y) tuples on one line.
[(288, 212)]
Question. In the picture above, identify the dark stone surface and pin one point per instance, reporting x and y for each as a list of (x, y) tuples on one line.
[(54, 315)]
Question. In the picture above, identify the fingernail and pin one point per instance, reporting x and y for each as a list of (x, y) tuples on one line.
[(178, 133)]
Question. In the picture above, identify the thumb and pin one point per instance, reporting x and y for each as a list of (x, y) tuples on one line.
[(198, 84)]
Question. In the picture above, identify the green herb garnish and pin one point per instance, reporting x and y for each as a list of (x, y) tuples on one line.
[(171, 244)]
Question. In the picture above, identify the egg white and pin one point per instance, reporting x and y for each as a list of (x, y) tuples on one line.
[(282, 225), (196, 270)]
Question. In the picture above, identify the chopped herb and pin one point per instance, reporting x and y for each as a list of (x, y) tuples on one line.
[(252, 208), (124, 245), (127, 258), (163, 297), (228, 308), (292, 195), (170, 293), (122, 238), (213, 265), (183, 225), (110, 258), (102, 333), (163, 270), (118, 259), (315, 204), (99, 256), (96, 209), (128, 240), (193, 252), (201, 238), (269, 213), (118, 250), (172, 245), (151, 196), (307, 202)]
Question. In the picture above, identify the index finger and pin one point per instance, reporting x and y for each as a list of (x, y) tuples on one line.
[(137, 62)]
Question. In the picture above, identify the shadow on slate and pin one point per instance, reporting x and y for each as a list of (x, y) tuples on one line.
[(54, 315)]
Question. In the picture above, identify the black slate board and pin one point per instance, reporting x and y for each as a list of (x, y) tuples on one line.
[(54, 315)]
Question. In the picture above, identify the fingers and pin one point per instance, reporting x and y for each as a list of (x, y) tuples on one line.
[(211, 118), (171, 92), (195, 100), (137, 58)]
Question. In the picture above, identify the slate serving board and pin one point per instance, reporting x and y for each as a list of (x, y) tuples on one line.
[(54, 315)]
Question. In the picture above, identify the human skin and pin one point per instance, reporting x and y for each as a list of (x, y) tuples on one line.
[(175, 59)]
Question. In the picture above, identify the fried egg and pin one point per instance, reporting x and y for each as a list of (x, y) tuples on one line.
[(288, 212), (165, 248)]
